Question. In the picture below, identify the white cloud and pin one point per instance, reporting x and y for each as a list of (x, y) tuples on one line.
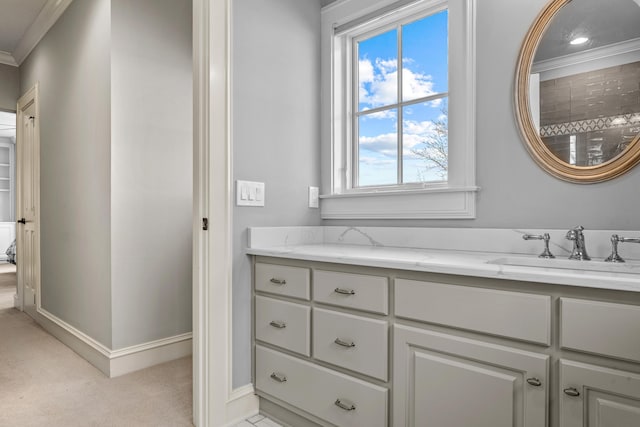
[(416, 85), (384, 114), (379, 82), (385, 144), (365, 71)]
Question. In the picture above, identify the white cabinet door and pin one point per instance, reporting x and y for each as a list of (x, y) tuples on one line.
[(598, 397), (442, 380)]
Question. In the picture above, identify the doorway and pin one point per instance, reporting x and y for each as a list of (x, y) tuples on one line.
[(7, 209), (28, 202)]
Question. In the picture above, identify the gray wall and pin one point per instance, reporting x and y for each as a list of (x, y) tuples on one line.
[(151, 169), (276, 83), (9, 87), (72, 65), (269, 37), (515, 192)]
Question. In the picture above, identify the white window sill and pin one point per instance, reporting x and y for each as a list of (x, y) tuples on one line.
[(436, 203)]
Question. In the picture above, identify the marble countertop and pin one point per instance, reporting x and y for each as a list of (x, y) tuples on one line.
[(496, 265)]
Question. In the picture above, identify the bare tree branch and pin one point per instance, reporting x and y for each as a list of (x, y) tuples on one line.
[(434, 149)]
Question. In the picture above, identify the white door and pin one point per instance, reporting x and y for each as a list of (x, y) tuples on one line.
[(28, 198), (441, 380), (595, 396)]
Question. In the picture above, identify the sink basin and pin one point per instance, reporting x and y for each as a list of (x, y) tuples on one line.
[(629, 267)]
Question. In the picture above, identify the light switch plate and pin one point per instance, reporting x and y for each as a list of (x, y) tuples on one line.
[(314, 197), (249, 193)]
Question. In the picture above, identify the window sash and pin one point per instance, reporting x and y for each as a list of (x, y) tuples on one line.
[(353, 141)]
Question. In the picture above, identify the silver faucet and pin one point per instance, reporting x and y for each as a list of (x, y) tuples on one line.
[(579, 249), (546, 253), (615, 239)]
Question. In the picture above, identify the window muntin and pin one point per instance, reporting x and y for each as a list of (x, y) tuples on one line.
[(384, 153)]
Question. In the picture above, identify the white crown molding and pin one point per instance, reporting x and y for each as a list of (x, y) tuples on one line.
[(51, 11), (608, 51), (7, 59)]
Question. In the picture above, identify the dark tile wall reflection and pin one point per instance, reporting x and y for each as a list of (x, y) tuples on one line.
[(601, 109)]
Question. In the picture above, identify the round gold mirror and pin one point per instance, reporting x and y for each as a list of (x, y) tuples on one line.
[(578, 89)]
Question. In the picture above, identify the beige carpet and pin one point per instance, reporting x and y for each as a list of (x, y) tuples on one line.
[(44, 383), (7, 285)]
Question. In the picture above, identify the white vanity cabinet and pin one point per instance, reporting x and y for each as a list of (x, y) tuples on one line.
[(323, 356), (596, 396), (354, 345), (442, 380)]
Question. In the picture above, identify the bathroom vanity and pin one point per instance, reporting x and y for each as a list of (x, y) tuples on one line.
[(364, 327)]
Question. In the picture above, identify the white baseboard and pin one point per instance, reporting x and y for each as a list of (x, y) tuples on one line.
[(91, 350), (142, 356), (114, 363), (242, 404)]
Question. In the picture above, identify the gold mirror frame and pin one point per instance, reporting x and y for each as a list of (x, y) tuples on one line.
[(534, 144)]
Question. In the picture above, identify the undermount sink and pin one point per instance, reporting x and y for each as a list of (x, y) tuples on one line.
[(629, 267)]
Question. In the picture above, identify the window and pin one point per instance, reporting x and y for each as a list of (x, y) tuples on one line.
[(400, 127), (401, 118)]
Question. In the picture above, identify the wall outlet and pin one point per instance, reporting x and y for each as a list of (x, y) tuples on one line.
[(249, 193), (314, 197)]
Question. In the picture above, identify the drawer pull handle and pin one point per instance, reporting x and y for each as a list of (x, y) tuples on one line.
[(278, 324), (346, 407), (278, 281), (534, 382), (344, 343), (279, 377), (571, 391), (345, 291)]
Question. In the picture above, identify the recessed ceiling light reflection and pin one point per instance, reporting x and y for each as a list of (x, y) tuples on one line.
[(579, 40)]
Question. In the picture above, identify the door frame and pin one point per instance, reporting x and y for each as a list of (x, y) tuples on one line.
[(215, 401), (30, 97)]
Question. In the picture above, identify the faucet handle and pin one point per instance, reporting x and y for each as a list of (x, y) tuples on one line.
[(615, 239), (546, 253)]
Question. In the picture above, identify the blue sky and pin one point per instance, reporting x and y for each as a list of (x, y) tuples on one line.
[(425, 72)]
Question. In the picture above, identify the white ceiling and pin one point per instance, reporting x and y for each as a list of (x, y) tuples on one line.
[(23, 23), (604, 21), (16, 16)]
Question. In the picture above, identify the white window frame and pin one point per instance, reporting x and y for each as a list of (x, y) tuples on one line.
[(346, 20)]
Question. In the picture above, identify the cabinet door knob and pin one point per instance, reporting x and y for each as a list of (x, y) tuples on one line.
[(278, 324), (534, 382), (278, 377), (345, 291), (346, 406), (344, 343), (278, 281), (571, 391)]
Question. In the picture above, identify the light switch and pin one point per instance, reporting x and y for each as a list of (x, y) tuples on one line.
[(249, 193)]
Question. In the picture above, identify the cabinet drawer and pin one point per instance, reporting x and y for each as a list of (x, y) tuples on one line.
[(282, 280), (510, 314), (599, 327), (284, 324), (357, 291), (351, 342), (317, 390)]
